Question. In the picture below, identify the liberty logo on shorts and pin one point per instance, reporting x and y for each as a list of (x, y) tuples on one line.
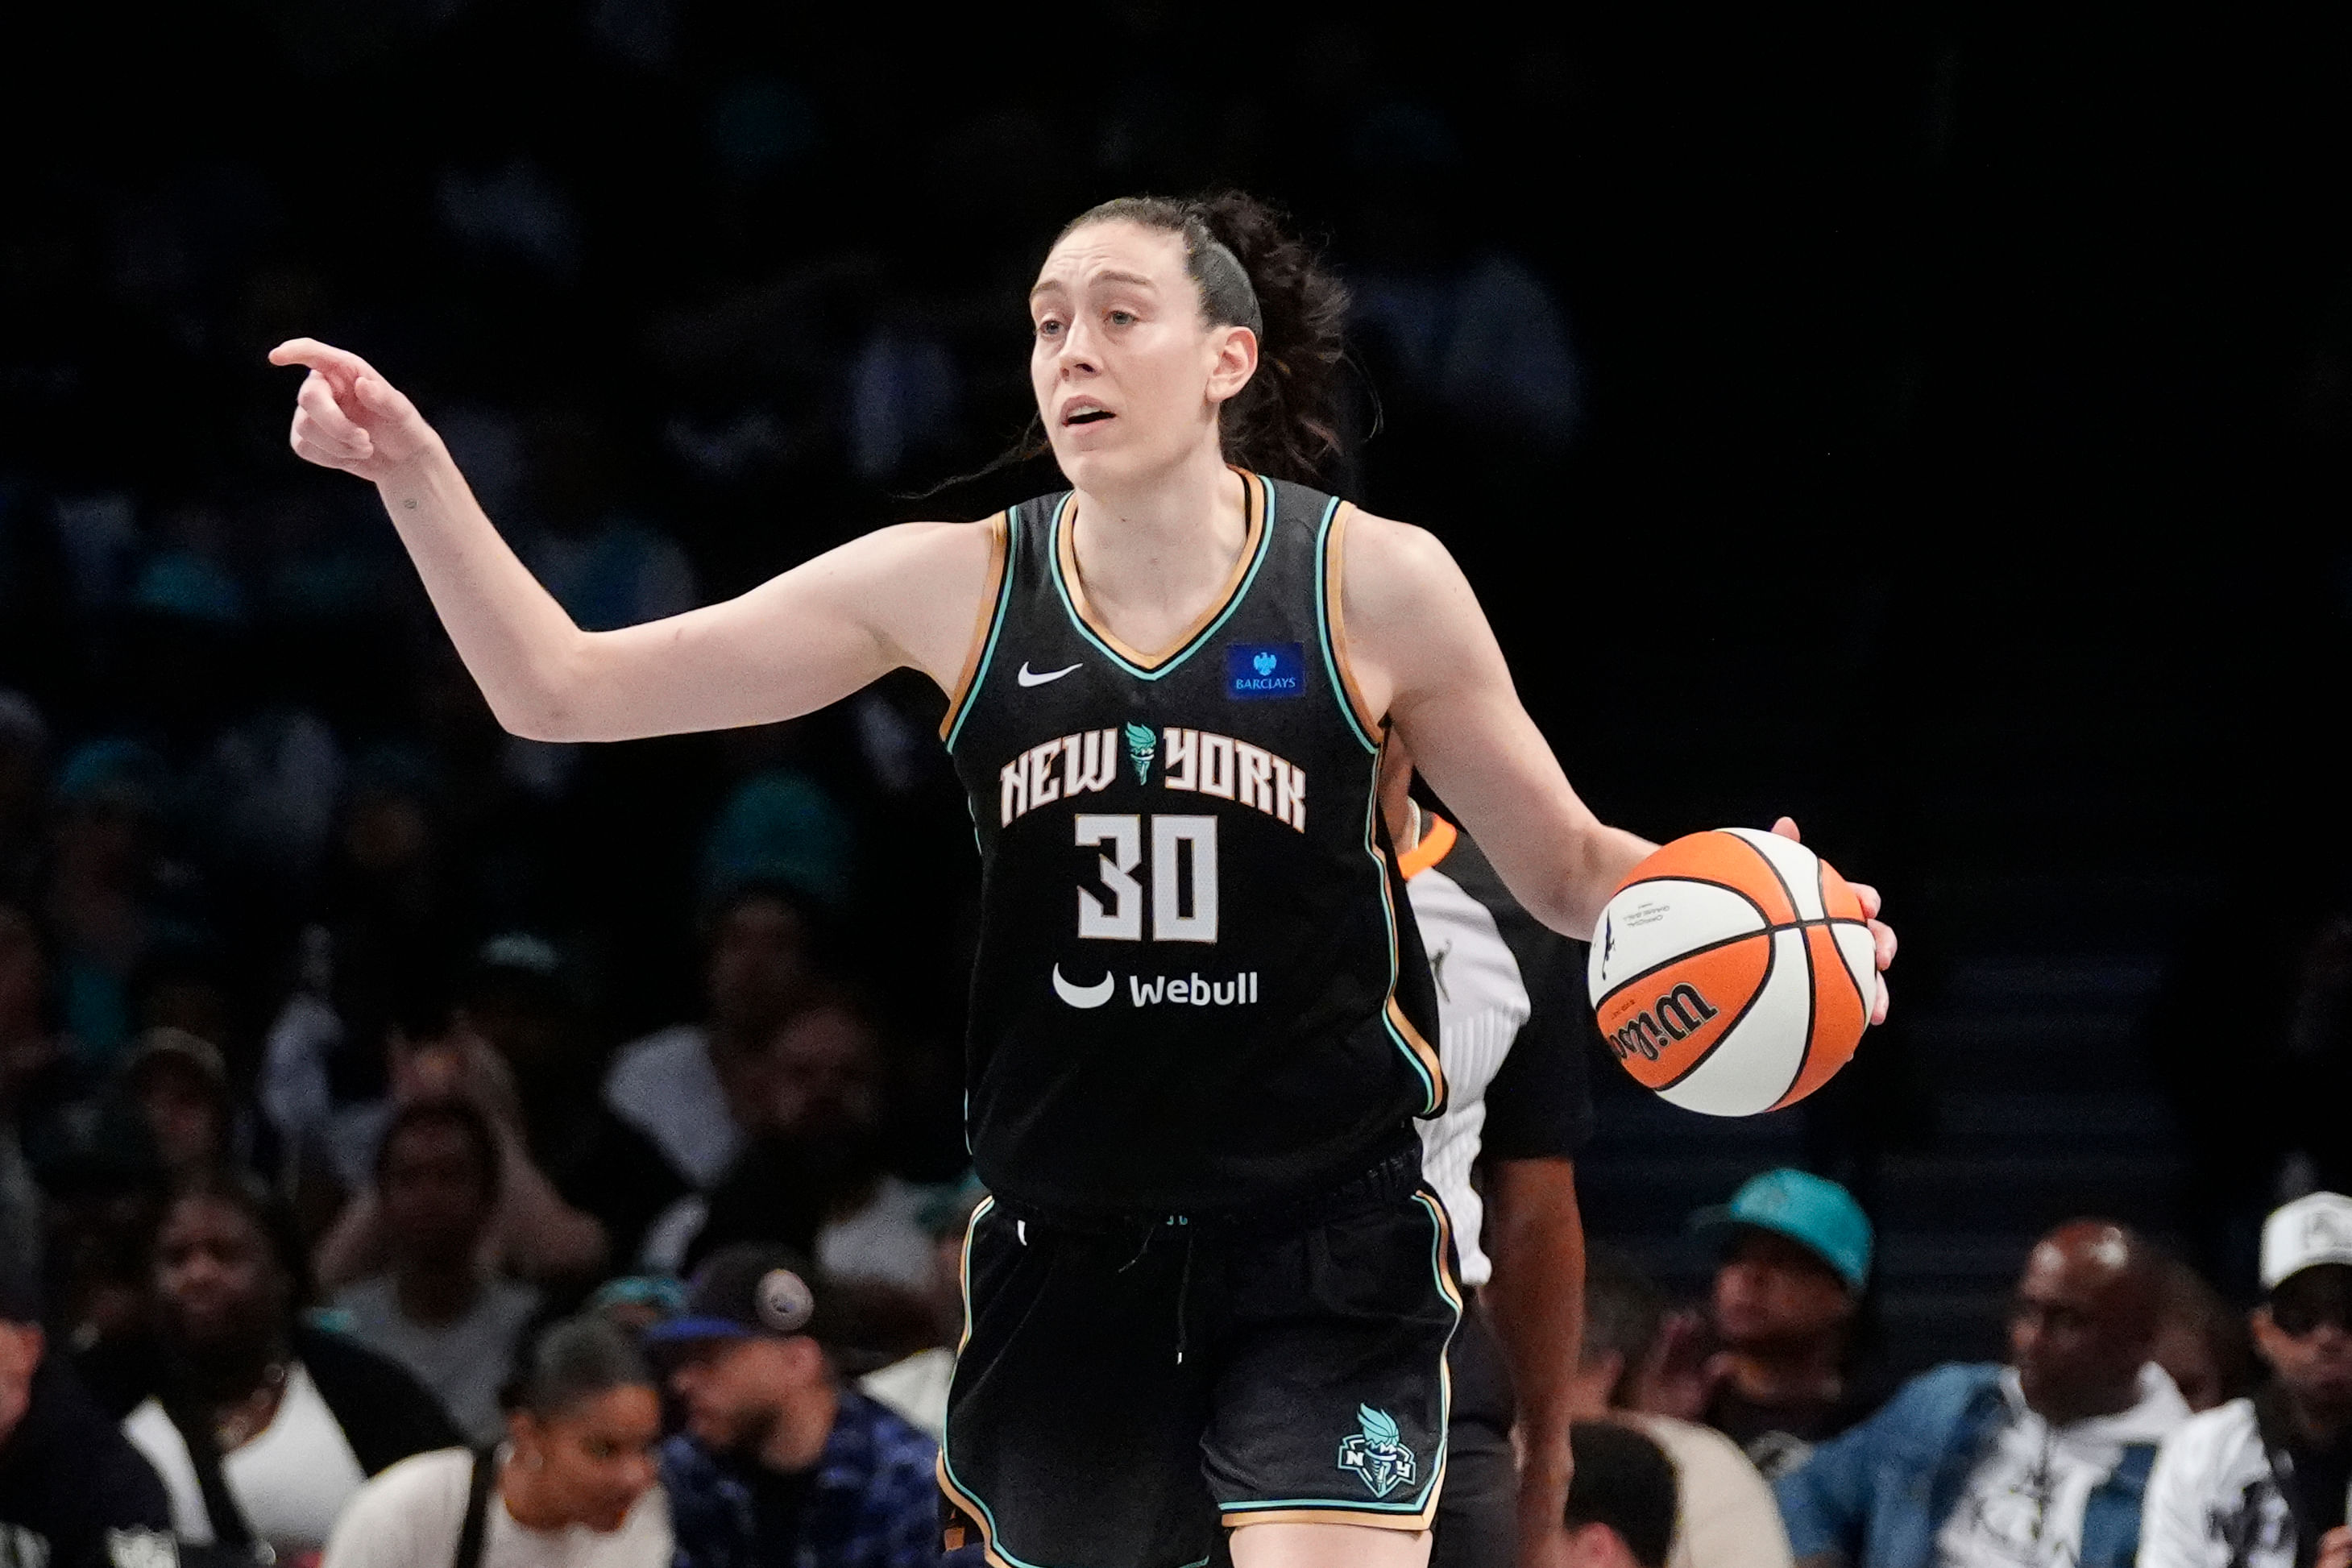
[(1377, 1453)]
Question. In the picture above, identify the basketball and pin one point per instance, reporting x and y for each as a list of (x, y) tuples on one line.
[(1732, 972)]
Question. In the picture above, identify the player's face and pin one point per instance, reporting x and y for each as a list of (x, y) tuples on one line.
[(1128, 374)]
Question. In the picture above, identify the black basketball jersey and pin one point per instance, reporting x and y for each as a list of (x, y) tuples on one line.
[(1193, 989)]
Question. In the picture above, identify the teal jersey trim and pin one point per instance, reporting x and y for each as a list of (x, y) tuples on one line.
[(1431, 1096), (1323, 626), (1053, 563), (995, 1537), (1420, 1499), (996, 626)]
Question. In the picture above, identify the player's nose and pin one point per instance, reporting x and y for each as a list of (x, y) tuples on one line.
[(1077, 350)]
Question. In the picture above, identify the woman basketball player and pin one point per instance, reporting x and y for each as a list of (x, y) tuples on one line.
[(1210, 1285)]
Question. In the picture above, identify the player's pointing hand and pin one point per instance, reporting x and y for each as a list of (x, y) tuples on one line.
[(346, 415), (1881, 933)]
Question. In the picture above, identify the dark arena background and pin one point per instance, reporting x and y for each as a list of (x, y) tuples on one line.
[(1930, 424)]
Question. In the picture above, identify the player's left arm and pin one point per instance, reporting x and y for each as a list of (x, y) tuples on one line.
[(1422, 653)]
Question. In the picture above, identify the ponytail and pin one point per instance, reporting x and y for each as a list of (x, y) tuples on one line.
[(1253, 272)]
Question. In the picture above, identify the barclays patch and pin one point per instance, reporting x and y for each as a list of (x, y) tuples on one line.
[(1256, 672)]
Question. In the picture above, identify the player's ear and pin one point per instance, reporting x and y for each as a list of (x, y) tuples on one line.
[(1235, 361)]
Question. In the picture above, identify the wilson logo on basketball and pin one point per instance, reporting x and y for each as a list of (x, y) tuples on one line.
[(1731, 972), (1676, 1015)]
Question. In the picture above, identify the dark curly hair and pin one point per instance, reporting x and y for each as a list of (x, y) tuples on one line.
[(1253, 272)]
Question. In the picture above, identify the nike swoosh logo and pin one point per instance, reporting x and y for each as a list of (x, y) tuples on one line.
[(1028, 676), (1077, 995)]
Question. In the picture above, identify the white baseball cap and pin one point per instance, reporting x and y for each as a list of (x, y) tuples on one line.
[(2304, 1234)]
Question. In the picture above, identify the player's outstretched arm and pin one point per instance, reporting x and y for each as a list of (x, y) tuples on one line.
[(903, 595), (1424, 654)]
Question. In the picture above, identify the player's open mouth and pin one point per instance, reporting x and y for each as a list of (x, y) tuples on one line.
[(1085, 414)]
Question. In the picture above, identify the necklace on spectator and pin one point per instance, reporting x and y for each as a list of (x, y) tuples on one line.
[(235, 1426)]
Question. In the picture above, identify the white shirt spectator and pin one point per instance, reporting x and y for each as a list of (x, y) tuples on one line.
[(2213, 1501), (2022, 1505), (290, 1481), (1726, 1518), (917, 1388), (665, 1087), (883, 1239), (410, 1517), (462, 1363)]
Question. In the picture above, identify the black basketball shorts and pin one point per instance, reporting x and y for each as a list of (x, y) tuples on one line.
[(1124, 1391)]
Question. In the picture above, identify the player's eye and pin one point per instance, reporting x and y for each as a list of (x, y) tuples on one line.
[(1048, 327), (1122, 318)]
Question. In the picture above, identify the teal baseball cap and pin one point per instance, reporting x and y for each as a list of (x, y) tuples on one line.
[(1810, 1210)]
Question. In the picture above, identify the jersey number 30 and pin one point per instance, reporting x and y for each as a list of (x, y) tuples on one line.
[(1183, 848)]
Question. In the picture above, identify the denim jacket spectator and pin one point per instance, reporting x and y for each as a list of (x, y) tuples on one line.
[(1877, 1494), (873, 1501)]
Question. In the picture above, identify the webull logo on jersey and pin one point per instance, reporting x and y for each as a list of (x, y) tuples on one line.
[(1197, 761), (1377, 1453), (1677, 1014), (1194, 990), (1256, 671)]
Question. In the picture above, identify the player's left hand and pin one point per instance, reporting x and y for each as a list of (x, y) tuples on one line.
[(2334, 1547), (1882, 933)]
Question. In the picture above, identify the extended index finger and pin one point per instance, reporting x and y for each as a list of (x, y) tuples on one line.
[(340, 367)]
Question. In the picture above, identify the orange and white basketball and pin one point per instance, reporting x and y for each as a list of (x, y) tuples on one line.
[(1733, 971)]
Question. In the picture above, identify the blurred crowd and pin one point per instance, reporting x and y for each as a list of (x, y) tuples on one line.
[(376, 1088), (772, 1403)]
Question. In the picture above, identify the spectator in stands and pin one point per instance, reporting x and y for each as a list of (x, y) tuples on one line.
[(23, 794), (1783, 1308), (35, 1076), (2041, 1463), (98, 899), (575, 1180), (262, 1428), (522, 1001), (574, 1486), (695, 1090), (73, 1492), (780, 1462), (179, 1085), (916, 1385), (821, 1142), (2262, 1482), (1621, 1499), (2201, 1344), (437, 1311), (1726, 1517)]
